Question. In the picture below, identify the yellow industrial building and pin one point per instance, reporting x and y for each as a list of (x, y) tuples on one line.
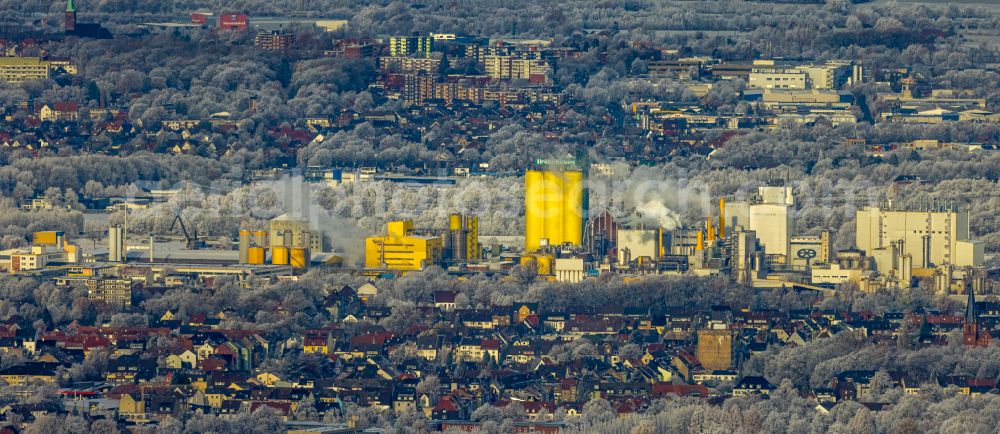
[(400, 249), (47, 238), (46, 247), (553, 208)]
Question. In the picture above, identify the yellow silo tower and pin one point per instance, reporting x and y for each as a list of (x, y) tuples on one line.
[(553, 202), (552, 212), (572, 207), (534, 208)]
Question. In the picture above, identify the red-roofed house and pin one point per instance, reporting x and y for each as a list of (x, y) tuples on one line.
[(213, 364), (446, 409), (59, 111), (316, 341), (661, 390)]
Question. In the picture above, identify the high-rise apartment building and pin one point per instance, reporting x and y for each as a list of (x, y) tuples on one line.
[(16, 70)]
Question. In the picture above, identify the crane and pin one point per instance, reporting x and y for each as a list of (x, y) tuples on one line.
[(193, 242)]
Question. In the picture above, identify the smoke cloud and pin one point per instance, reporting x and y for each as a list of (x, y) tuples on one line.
[(649, 196), (658, 212)]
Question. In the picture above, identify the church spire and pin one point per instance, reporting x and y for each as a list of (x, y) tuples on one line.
[(970, 307), (972, 336)]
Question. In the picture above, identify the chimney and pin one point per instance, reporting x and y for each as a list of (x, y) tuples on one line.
[(722, 218)]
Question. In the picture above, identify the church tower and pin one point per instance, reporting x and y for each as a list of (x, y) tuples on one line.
[(70, 16), (972, 336)]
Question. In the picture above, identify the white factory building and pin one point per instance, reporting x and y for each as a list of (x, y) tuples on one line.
[(769, 214), (930, 238)]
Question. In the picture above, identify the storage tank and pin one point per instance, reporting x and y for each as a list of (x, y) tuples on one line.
[(545, 264), (260, 238), (116, 244), (255, 256), (113, 246), (624, 256), (459, 245), (528, 260), (534, 223), (552, 212), (473, 249), (300, 257), (279, 255), (244, 246), (446, 245), (572, 213)]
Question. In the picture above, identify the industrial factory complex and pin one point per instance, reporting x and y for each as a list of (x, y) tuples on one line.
[(750, 241)]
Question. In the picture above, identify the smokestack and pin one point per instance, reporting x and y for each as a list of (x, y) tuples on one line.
[(906, 271), (710, 228), (659, 240), (722, 217), (113, 244), (701, 243), (150, 249)]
